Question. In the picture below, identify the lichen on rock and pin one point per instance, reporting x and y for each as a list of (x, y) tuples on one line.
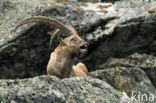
[(121, 56)]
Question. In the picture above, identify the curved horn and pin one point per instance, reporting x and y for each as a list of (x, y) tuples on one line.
[(69, 30), (56, 32)]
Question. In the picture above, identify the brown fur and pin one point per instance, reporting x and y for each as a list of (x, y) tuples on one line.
[(61, 60), (152, 10), (80, 70)]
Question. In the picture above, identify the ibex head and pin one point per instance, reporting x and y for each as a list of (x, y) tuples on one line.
[(76, 44)]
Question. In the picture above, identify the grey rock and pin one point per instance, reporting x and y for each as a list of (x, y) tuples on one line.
[(142, 61), (53, 90), (132, 75), (126, 79), (126, 29)]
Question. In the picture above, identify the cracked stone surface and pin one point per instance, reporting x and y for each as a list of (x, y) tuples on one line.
[(121, 53)]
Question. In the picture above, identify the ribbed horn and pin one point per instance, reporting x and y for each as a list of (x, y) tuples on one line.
[(68, 30)]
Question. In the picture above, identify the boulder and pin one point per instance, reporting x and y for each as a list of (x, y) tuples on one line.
[(44, 89), (126, 79), (144, 62)]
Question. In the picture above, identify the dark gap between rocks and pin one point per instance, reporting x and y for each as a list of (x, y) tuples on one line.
[(26, 56)]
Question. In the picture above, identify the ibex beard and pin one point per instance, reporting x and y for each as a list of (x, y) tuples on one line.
[(62, 58)]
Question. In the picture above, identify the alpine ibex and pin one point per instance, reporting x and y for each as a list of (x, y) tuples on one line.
[(61, 60)]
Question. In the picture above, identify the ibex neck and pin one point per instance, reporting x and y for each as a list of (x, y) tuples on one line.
[(65, 51)]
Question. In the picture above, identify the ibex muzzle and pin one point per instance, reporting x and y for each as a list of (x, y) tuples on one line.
[(61, 60)]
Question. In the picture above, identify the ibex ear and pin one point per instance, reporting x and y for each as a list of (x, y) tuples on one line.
[(62, 41)]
